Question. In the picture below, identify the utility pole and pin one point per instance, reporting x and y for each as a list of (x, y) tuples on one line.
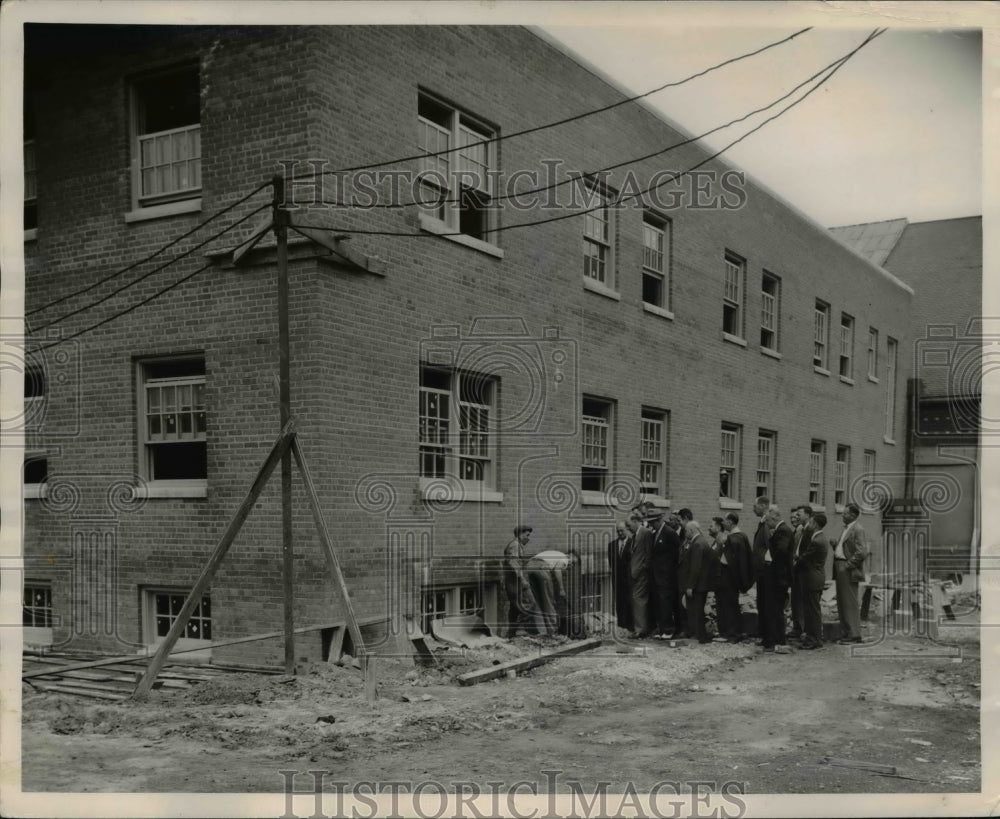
[(280, 223)]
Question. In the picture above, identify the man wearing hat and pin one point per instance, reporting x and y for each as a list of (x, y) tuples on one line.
[(524, 610)]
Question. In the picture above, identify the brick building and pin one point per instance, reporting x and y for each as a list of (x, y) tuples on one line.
[(452, 376)]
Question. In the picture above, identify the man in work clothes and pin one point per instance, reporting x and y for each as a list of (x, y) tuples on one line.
[(849, 553), (524, 611)]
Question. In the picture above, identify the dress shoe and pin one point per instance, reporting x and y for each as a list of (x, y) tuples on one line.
[(846, 641)]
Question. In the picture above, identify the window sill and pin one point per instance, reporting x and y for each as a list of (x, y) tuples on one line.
[(31, 234), (772, 353), (160, 211), (887, 440), (873, 379), (595, 286), (847, 380), (173, 489), (821, 370), (657, 500), (439, 228), (588, 497), (443, 490), (726, 503), (35, 491), (657, 311), (742, 342)]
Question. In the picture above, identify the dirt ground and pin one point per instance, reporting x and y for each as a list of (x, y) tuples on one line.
[(626, 712)]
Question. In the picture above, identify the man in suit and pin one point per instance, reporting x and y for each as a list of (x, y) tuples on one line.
[(619, 556), (735, 575), (809, 573), (774, 576), (699, 577), (800, 517), (639, 571), (663, 562), (849, 553)]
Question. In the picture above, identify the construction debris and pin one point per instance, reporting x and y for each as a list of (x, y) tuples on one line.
[(497, 671)]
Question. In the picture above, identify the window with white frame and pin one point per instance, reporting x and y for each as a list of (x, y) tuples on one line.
[(655, 261), (873, 353), (599, 237), (770, 315), (37, 613), (846, 346), (166, 147), (597, 439), (457, 425), (729, 470), (173, 421), (653, 452), (766, 455), (817, 466), (732, 297), (437, 602), (821, 334), (160, 610), (459, 181), (890, 389), (841, 475), (35, 389), (36, 473)]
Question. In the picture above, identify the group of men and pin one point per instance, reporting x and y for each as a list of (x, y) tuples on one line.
[(663, 567)]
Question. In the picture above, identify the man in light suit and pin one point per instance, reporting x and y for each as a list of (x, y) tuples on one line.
[(849, 553), (809, 577)]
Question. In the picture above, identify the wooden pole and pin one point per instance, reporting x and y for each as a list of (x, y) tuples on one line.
[(280, 222), (338, 576), (278, 451)]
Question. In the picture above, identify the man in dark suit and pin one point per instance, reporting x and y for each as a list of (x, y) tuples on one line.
[(735, 576), (809, 573), (663, 561), (774, 576), (699, 578), (639, 572), (849, 553), (800, 517), (619, 556)]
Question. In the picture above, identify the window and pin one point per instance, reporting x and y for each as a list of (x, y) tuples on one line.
[(470, 600), (37, 615), (846, 346), (655, 261), (160, 609), (821, 329), (166, 147), (869, 475), (732, 301), (598, 238), (597, 445), (434, 605), (729, 472), (437, 602), (36, 473), (460, 182), (872, 354), (653, 450), (457, 425), (890, 390), (770, 289), (173, 421), (30, 170), (37, 609), (817, 465), (35, 389), (841, 473), (766, 445)]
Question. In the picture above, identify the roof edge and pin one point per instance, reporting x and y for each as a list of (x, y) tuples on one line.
[(584, 63)]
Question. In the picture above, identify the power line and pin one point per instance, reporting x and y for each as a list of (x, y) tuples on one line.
[(145, 276), (556, 123), (167, 246), (830, 71), (568, 180), (128, 310)]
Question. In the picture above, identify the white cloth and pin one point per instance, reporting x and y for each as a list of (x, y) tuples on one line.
[(838, 553)]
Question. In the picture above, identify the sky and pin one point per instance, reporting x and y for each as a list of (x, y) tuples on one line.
[(896, 132)]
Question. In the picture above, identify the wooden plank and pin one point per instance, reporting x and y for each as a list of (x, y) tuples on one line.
[(496, 671), (333, 563), (337, 645), (82, 692), (277, 453), (875, 767), (126, 678)]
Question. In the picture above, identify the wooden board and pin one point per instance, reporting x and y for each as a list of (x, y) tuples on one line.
[(496, 671)]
